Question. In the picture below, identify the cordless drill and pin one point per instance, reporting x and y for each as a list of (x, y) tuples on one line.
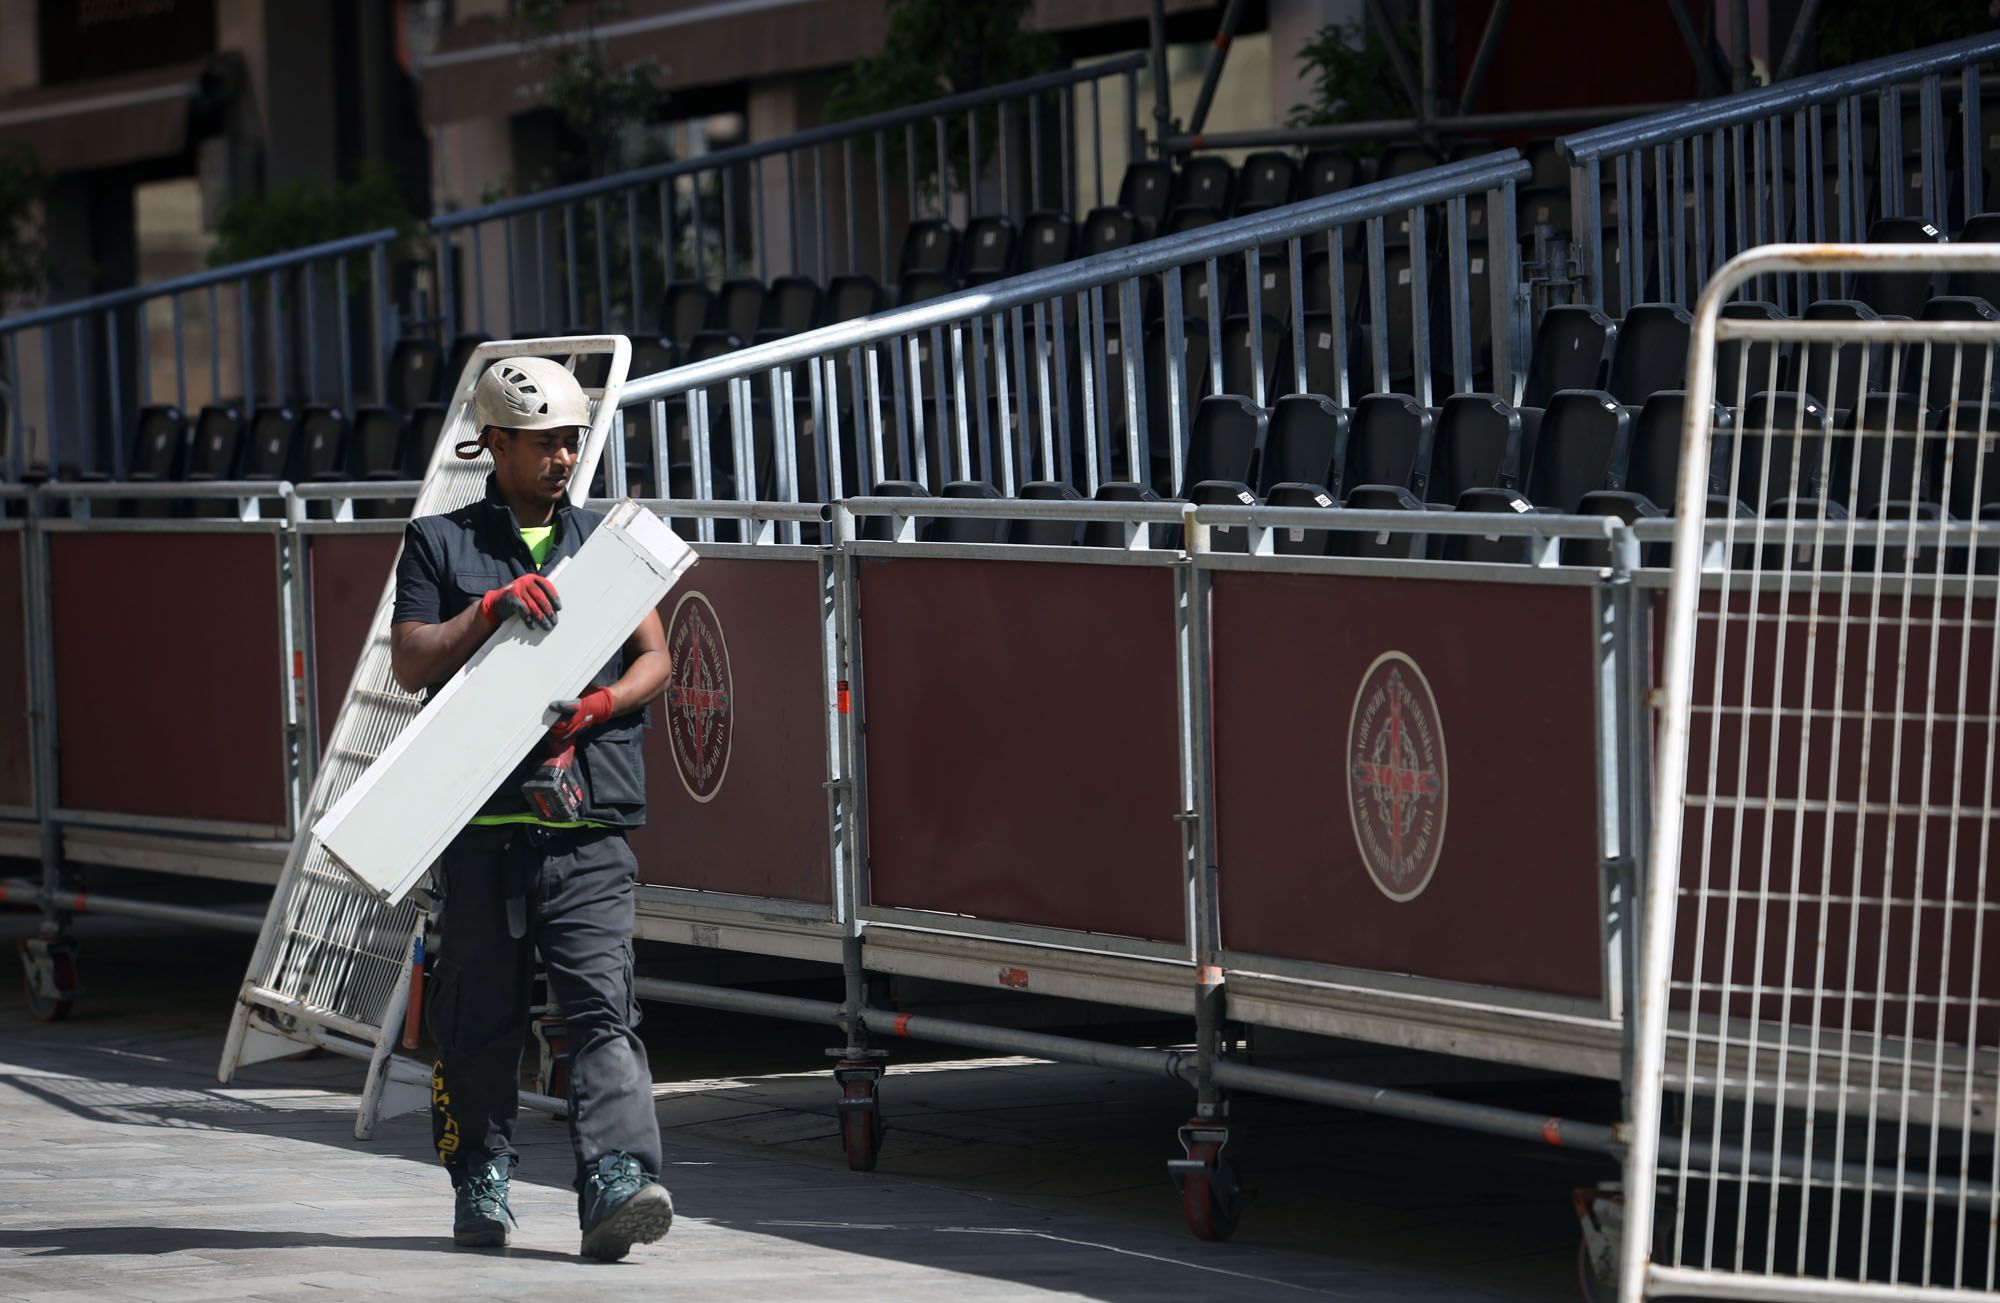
[(554, 792)]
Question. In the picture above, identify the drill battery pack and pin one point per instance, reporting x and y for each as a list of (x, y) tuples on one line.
[(555, 792)]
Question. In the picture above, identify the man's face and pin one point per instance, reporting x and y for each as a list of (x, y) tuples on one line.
[(535, 464)]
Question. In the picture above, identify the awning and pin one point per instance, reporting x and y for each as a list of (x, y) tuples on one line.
[(103, 122), (481, 69)]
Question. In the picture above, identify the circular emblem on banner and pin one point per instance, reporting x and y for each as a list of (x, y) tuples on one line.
[(700, 697), (1396, 776)]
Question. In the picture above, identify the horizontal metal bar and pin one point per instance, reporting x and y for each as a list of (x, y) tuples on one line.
[(233, 272), (225, 489), (357, 489), (725, 509), (1691, 1283), (1154, 513), (1783, 97), (1377, 199), (21, 892), (1867, 332), (1391, 128), (1525, 524), (835, 131)]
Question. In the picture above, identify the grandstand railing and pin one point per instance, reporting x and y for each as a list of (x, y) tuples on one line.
[(818, 203), (1659, 204), (299, 327), (984, 384)]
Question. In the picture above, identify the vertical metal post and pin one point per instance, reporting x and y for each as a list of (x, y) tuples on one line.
[(42, 708), (1212, 72), (1163, 117)]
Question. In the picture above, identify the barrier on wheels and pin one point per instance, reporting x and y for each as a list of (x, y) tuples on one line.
[(1814, 1095)]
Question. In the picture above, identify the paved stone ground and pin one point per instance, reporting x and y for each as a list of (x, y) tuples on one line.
[(125, 1172)]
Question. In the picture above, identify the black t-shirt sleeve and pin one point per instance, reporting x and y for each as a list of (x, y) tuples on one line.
[(418, 580)]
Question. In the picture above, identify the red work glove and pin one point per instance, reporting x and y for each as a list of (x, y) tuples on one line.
[(580, 713), (531, 597)]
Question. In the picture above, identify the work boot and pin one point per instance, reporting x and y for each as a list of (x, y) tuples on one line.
[(480, 1216), (621, 1205)]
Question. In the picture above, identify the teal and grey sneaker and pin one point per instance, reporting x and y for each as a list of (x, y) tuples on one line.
[(481, 1216), (622, 1205)]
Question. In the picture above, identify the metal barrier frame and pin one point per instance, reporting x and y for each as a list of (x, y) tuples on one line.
[(1753, 208), (1649, 1149), (806, 251)]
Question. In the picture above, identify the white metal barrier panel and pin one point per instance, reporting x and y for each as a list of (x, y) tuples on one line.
[(332, 963), (1819, 1011)]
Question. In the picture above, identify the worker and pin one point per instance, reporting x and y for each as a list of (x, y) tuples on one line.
[(512, 883)]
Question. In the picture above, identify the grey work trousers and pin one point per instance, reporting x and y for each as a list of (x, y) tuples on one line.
[(510, 891)]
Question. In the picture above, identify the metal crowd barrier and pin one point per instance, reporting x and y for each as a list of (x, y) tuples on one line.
[(310, 327), (1659, 204), (1813, 1101), (819, 203)]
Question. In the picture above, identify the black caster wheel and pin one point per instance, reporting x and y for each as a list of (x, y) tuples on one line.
[(48, 975)]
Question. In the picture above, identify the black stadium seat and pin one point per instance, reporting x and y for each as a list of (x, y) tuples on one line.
[(159, 444), (1385, 544), (930, 244), (1047, 239), (1840, 371), (1887, 449), (1109, 228), (1224, 441), (1973, 365), (1981, 228), (1239, 371), (1389, 443), (1651, 354), (1897, 293), (1189, 217), (685, 311), (414, 373), (1207, 181), (792, 305), (1653, 468), (1406, 159), (849, 298), (1743, 368), (1490, 549), (1268, 180), (1147, 192), (322, 450), (217, 446), (1572, 346), (1782, 438), (968, 529), (738, 307), (1303, 542), (378, 445), (1584, 445), (1479, 445), (1328, 171), (989, 249), (1306, 444), (1046, 533), (426, 427), (267, 453), (1105, 533)]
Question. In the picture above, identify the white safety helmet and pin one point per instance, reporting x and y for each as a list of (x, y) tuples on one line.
[(529, 393)]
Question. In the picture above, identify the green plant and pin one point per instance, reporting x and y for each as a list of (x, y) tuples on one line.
[(935, 48), (295, 214), (1353, 79), (1853, 30), (23, 255), (596, 98)]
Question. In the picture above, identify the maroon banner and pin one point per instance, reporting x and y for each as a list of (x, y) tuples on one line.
[(1021, 743), (16, 747), (736, 757), (1847, 855), (348, 573), (1405, 777), (167, 674)]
